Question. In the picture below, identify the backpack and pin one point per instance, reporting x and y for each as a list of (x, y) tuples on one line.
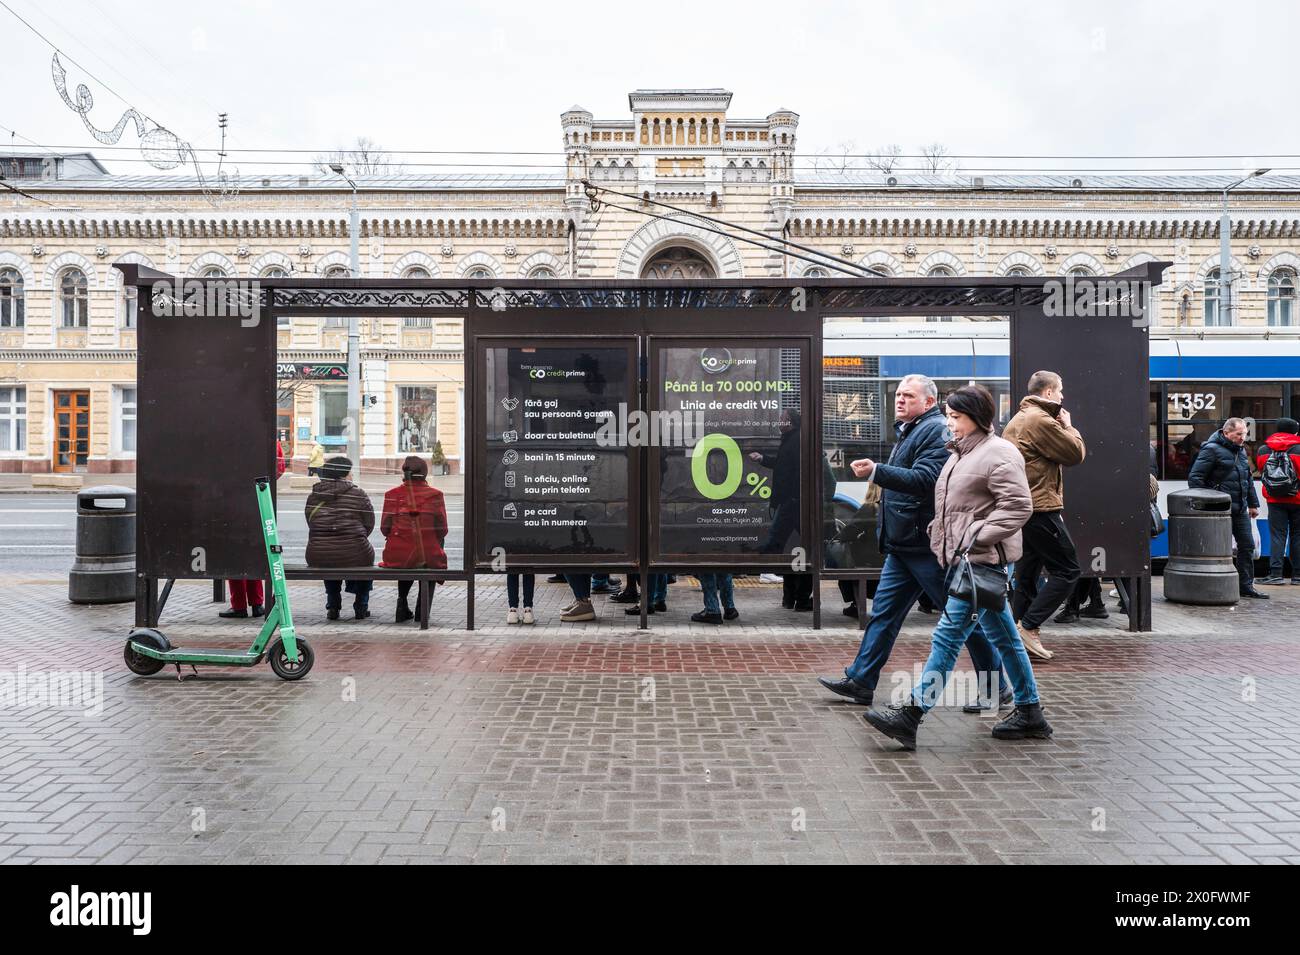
[(1279, 475)]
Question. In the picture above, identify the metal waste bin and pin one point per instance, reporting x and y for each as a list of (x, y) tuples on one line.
[(104, 569), (1200, 568)]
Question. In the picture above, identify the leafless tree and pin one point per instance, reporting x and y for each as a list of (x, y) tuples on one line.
[(885, 158), (365, 158), (936, 161), (837, 159)]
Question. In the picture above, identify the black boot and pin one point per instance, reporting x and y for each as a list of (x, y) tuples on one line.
[(331, 613), (1095, 612), (1069, 614), (851, 689), (359, 612), (233, 613), (1250, 591), (1025, 722), (404, 612), (257, 610), (706, 616), (629, 595), (900, 724)]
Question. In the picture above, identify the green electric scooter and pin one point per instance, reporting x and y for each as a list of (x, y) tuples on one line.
[(148, 650)]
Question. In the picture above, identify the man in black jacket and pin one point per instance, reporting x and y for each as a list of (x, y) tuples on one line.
[(1223, 465), (911, 569)]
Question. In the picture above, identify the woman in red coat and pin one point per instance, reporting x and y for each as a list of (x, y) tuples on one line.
[(414, 524)]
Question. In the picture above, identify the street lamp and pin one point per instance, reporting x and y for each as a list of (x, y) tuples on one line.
[(1225, 252), (354, 333)]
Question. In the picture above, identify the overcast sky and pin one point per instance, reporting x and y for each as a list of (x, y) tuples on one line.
[(988, 78)]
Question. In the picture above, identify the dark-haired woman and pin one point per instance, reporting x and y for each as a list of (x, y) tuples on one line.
[(981, 501)]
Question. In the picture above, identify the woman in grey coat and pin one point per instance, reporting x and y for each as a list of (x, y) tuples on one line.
[(981, 501)]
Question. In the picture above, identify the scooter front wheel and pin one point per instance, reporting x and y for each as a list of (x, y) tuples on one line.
[(287, 669), (139, 663)]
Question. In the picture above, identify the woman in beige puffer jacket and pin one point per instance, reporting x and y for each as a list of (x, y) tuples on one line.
[(981, 501)]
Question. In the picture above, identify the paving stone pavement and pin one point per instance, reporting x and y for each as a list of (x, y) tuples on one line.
[(599, 743)]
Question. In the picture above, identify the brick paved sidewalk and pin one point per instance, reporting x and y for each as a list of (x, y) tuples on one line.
[(686, 743)]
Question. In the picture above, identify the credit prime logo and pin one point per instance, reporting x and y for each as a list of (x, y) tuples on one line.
[(715, 360), (77, 908)]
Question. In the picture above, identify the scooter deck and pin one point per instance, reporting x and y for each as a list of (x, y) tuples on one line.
[(212, 655)]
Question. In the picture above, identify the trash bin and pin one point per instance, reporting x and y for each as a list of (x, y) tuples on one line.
[(1200, 568), (104, 569)]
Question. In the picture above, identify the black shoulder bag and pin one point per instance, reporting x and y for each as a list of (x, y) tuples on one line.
[(983, 586)]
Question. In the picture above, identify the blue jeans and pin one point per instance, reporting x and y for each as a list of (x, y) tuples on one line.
[(360, 590), (713, 586), (580, 584), (657, 590), (955, 626), (512, 589), (904, 578)]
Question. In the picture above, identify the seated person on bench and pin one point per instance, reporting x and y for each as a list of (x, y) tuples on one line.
[(339, 522), (414, 523)]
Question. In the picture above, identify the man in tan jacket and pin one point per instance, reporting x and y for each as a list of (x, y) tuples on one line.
[(1043, 433)]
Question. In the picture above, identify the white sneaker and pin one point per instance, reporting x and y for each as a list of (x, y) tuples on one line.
[(528, 616), (512, 616), (771, 578)]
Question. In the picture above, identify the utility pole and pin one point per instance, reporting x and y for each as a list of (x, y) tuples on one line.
[(1225, 316), (354, 331)]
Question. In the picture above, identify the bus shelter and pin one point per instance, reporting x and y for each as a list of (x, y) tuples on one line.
[(632, 426)]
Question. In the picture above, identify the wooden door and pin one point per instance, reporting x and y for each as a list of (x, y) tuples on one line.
[(71, 430)]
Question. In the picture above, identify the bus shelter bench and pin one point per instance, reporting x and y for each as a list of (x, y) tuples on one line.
[(422, 575)]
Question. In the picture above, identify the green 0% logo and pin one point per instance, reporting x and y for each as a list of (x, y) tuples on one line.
[(717, 490)]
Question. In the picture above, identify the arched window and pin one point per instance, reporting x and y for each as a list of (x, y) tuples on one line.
[(1080, 271), (74, 299), (542, 272), (130, 305), (815, 272), (417, 321), (1212, 313), (1281, 297), (478, 272), (277, 272), (337, 272), (881, 270), (12, 304), (1018, 270), (213, 272), (939, 271)]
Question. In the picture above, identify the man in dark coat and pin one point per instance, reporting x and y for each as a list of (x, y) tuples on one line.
[(339, 521), (1223, 465), (911, 569)]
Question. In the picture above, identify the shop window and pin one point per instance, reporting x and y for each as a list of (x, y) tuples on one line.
[(417, 419), (334, 411)]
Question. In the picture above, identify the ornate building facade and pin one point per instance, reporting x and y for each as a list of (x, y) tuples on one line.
[(67, 327)]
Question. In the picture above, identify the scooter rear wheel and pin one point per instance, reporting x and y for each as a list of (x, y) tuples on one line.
[(139, 663), (287, 669)]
